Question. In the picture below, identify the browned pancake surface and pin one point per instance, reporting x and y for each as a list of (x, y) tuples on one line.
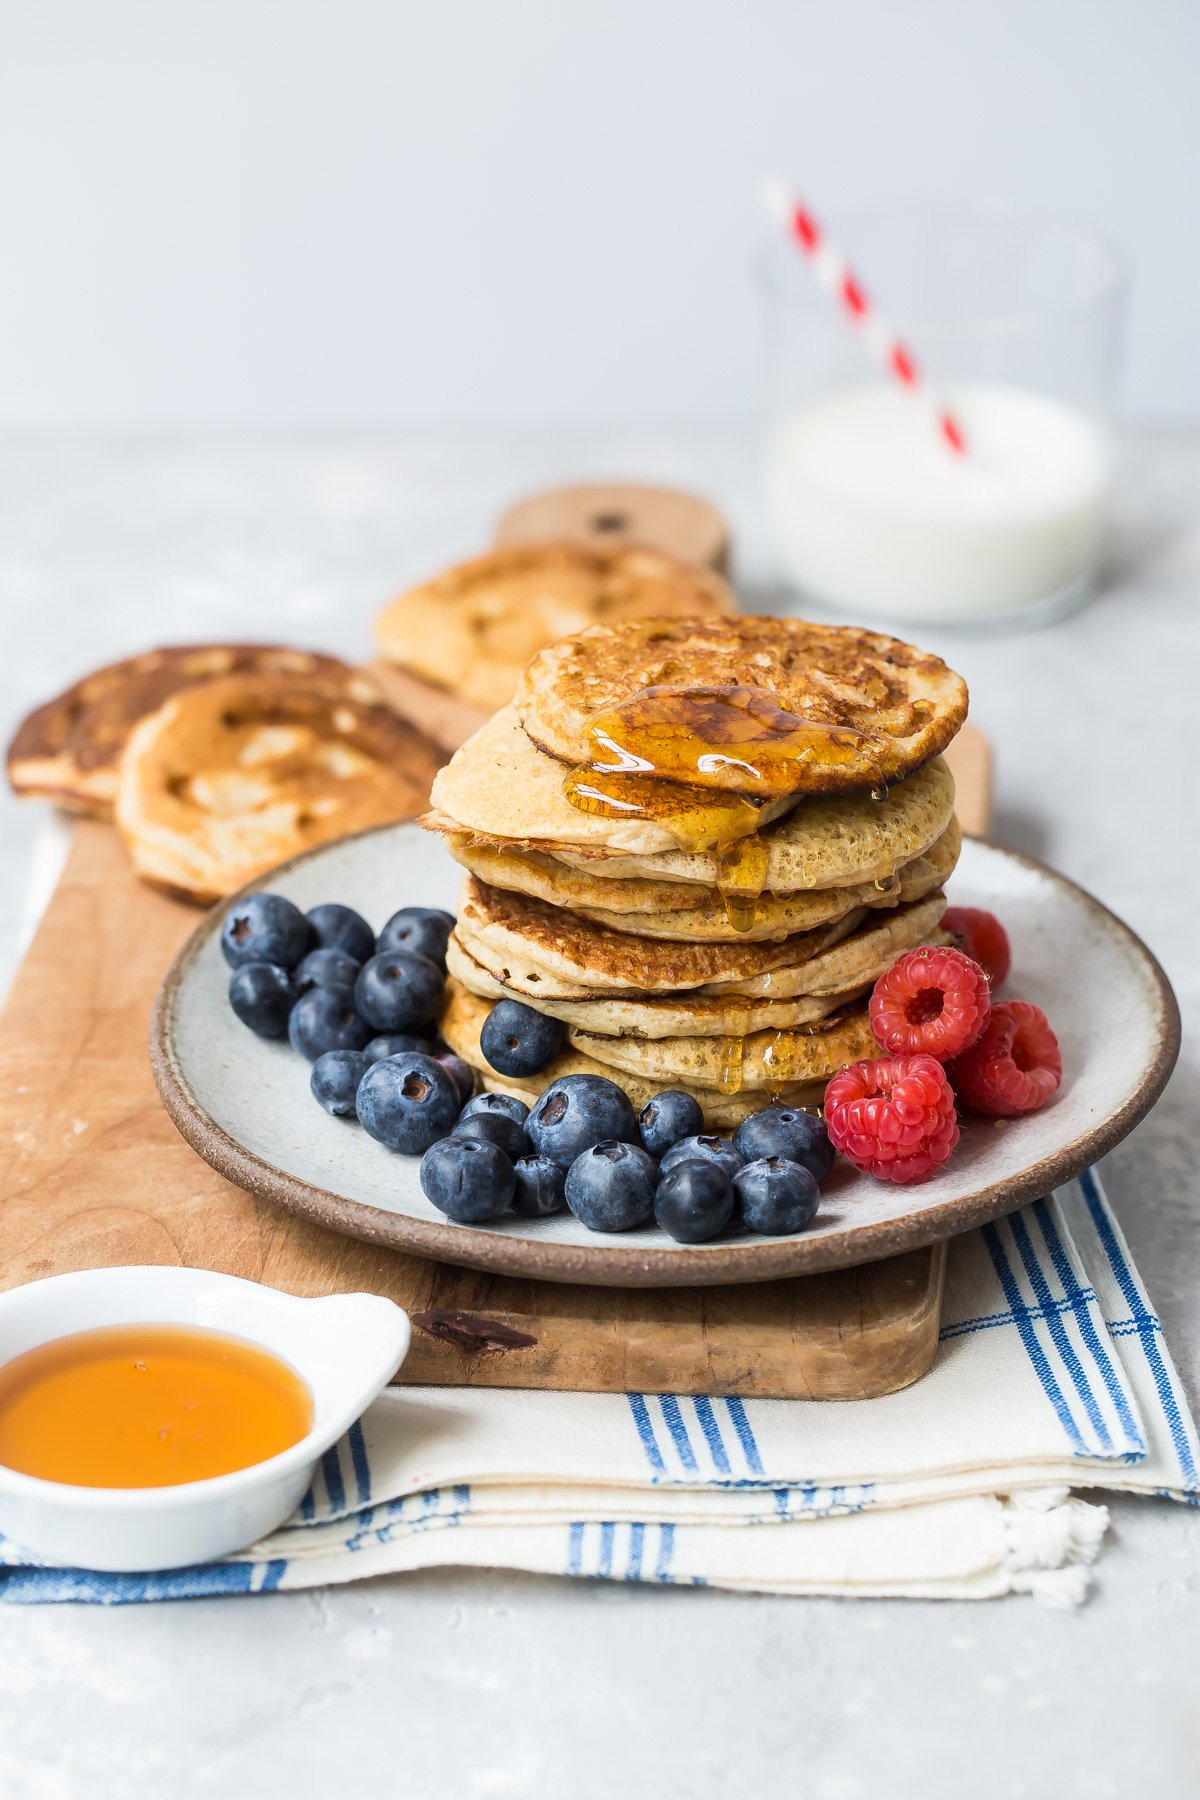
[(68, 749)]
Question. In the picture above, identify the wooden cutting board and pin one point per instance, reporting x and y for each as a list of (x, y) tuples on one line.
[(97, 1175)]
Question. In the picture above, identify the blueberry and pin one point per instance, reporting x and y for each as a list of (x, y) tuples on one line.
[(776, 1196), (262, 996), (668, 1118), (463, 1073), (407, 1102), (541, 1187), (694, 1201), (335, 1078), (265, 928), (577, 1112), (495, 1128), (518, 1041), (611, 1186), (497, 1103), (341, 928), (325, 968), (421, 930), (788, 1132), (395, 1043), (399, 992), (325, 1019), (704, 1148), (467, 1179)]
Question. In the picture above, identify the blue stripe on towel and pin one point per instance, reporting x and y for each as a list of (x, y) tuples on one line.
[(1058, 1334), (645, 1430), (1070, 1284), (673, 1419), (361, 1462), (1146, 1324), (331, 1469), (666, 1550), (575, 1548), (604, 1556), (1033, 1348), (712, 1434), (745, 1436)]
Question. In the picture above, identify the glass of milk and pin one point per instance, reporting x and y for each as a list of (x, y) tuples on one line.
[(1015, 324)]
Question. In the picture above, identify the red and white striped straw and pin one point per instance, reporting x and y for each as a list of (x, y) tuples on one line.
[(837, 278)]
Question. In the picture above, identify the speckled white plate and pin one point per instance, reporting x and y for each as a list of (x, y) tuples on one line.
[(245, 1105)]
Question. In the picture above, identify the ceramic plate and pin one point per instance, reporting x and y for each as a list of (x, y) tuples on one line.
[(245, 1105)]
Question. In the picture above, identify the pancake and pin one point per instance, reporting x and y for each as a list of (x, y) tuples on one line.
[(69, 749), (665, 1015), (233, 776), (885, 706), (773, 916), (780, 998), (533, 947), (477, 625), (696, 915), (758, 1062), (499, 784), (462, 1021), (499, 793)]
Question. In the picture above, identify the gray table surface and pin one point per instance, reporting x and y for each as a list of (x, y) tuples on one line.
[(488, 1685)]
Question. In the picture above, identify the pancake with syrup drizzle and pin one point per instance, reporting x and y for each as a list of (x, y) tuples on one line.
[(818, 708), (499, 792), (697, 915), (721, 1012), (462, 1021)]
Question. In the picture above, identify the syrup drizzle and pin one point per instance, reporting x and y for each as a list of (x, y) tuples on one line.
[(702, 761)]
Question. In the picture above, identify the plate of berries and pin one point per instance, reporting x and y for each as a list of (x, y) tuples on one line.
[(296, 1044)]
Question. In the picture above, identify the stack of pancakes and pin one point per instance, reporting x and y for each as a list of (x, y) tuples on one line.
[(698, 843)]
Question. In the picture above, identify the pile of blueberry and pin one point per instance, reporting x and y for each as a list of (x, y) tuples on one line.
[(584, 1147), (364, 1011)]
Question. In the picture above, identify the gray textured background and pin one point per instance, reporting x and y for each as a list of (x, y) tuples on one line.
[(273, 211)]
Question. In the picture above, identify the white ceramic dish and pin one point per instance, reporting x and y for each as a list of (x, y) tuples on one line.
[(346, 1347), (245, 1104)]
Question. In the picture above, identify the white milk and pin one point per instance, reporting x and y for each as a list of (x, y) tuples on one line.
[(872, 513)]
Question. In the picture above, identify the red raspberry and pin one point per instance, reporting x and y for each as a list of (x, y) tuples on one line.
[(892, 1117), (932, 1000), (984, 939), (1015, 1066)]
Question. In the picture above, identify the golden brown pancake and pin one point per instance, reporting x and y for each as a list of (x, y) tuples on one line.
[(884, 707), (233, 776), (69, 749), (476, 626), (462, 1021), (760, 1062)]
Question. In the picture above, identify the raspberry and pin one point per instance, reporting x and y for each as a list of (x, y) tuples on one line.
[(932, 1001), (984, 939), (1014, 1067), (893, 1117)]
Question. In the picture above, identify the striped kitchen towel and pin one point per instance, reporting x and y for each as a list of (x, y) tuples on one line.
[(1052, 1376)]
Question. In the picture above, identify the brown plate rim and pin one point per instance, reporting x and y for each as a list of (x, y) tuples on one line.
[(622, 1265)]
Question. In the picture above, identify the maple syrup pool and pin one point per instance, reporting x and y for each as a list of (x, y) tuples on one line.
[(145, 1405)]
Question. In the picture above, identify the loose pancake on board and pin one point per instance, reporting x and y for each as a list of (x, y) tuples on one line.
[(69, 749), (462, 1021), (882, 707), (231, 777), (477, 625)]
